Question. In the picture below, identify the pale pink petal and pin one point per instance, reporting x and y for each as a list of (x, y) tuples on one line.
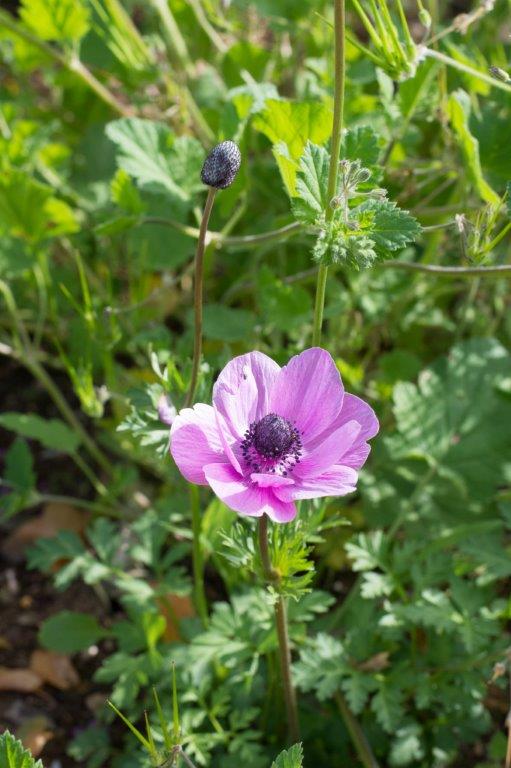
[(246, 497), (195, 441), (329, 452), (308, 392), (338, 481), (231, 445), (355, 408), (281, 511), (241, 393), (269, 480)]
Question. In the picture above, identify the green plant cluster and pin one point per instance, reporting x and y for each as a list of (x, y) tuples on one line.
[(397, 595)]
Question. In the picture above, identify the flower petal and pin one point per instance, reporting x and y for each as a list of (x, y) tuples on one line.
[(268, 480), (195, 441), (355, 408), (246, 497), (309, 392), (338, 481), (242, 391), (329, 452)]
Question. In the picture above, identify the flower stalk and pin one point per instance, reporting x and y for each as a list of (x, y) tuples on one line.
[(198, 290), (281, 624), (333, 172)]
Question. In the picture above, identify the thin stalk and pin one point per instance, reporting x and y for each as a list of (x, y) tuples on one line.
[(281, 624), (356, 733), (439, 56), (174, 40), (234, 241), (198, 564), (496, 240), (333, 171), (199, 278)]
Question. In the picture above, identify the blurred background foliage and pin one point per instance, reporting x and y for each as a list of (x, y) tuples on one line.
[(107, 109)]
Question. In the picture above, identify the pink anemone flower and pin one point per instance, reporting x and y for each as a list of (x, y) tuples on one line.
[(275, 435)]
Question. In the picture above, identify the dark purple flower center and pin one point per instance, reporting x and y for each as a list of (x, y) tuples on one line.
[(271, 444)]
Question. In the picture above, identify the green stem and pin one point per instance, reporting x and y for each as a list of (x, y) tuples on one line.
[(356, 733), (439, 56), (281, 624), (234, 241), (198, 564), (199, 279), (333, 171)]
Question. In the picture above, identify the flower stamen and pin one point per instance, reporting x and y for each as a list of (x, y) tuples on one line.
[(272, 444)]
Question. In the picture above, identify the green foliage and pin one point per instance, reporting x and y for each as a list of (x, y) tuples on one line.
[(13, 754), (52, 433), (160, 162), (290, 758), (59, 20), (69, 632), (396, 594), (459, 111), (19, 476), (30, 211)]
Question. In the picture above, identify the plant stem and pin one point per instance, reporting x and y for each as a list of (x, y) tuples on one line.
[(198, 566), (333, 171), (356, 733), (281, 623), (199, 278), (233, 241), (439, 56)]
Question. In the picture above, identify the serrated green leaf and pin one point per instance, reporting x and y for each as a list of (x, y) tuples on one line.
[(52, 433), (67, 545), (70, 632), (290, 758), (362, 143), (387, 705), (388, 226), (406, 746), (356, 687), (311, 184), (59, 20), (436, 418), (14, 755), (459, 112), (149, 152)]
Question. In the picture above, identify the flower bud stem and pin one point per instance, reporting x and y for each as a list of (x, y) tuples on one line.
[(199, 279), (281, 624), (335, 149)]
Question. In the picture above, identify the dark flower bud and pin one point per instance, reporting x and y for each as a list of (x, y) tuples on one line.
[(221, 165)]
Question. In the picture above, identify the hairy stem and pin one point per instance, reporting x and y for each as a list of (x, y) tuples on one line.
[(201, 604), (281, 624), (199, 279), (356, 733), (333, 171)]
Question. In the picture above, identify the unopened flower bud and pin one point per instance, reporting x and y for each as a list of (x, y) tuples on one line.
[(335, 202), (221, 165), (425, 18), (363, 175), (166, 411)]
